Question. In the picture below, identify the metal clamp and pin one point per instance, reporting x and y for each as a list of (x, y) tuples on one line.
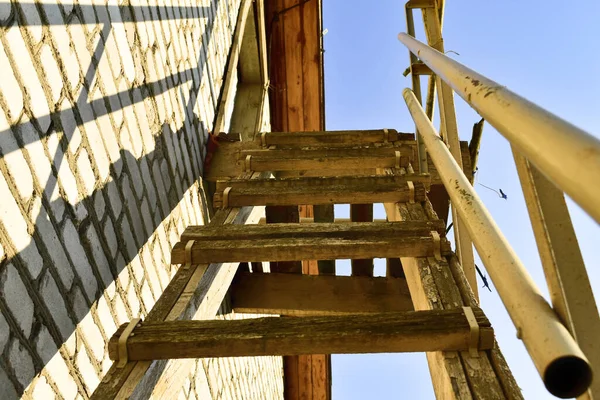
[(226, 197), (474, 340), (437, 245), (263, 139), (397, 159), (411, 192), (122, 343), (247, 163), (188, 253)]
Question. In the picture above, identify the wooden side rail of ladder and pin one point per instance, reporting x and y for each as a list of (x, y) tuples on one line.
[(430, 310)]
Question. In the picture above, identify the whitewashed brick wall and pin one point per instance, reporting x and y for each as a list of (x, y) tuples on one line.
[(104, 112)]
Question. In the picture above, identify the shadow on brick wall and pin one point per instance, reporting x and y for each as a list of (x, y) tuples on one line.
[(78, 246)]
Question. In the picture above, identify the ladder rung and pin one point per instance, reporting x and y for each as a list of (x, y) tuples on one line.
[(420, 331), (420, 4), (332, 138), (317, 159), (337, 190), (317, 241), (302, 295)]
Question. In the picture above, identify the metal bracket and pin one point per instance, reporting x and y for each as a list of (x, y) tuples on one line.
[(397, 159), (263, 139), (474, 341), (122, 343), (411, 192), (226, 197), (437, 245), (247, 163), (188, 253)]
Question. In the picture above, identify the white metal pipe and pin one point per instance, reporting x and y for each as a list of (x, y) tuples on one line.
[(567, 155), (564, 368)]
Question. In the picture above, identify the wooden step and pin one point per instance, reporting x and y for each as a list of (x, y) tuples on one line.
[(320, 190), (420, 331), (331, 138), (310, 295), (228, 161), (318, 159), (316, 241)]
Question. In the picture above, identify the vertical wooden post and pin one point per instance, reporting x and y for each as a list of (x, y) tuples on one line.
[(297, 104)]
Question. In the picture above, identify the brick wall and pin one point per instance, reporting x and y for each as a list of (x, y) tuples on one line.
[(104, 112)]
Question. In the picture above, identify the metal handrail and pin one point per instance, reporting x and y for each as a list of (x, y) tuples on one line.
[(564, 368), (568, 156)]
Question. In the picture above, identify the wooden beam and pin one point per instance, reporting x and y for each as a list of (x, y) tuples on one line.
[(319, 159), (347, 138), (447, 330), (464, 245), (345, 190), (302, 295), (196, 291), (325, 181), (319, 241), (348, 230), (455, 375), (307, 376), (229, 163), (249, 68), (247, 110), (305, 220), (364, 213), (226, 96)]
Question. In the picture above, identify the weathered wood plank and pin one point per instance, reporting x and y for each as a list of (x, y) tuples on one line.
[(343, 230), (316, 248), (410, 331), (306, 377), (314, 195), (325, 181), (406, 152), (290, 294), (509, 384), (227, 163), (176, 302), (455, 375), (247, 109), (249, 68), (345, 138), (321, 159), (227, 90)]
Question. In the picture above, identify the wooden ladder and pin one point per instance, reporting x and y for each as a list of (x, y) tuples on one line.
[(428, 307)]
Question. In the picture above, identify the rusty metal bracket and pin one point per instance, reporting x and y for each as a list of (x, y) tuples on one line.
[(411, 192), (122, 343), (263, 139), (188, 253), (226, 197), (437, 245), (474, 341)]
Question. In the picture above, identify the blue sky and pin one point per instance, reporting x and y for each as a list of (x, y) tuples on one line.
[(547, 51)]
